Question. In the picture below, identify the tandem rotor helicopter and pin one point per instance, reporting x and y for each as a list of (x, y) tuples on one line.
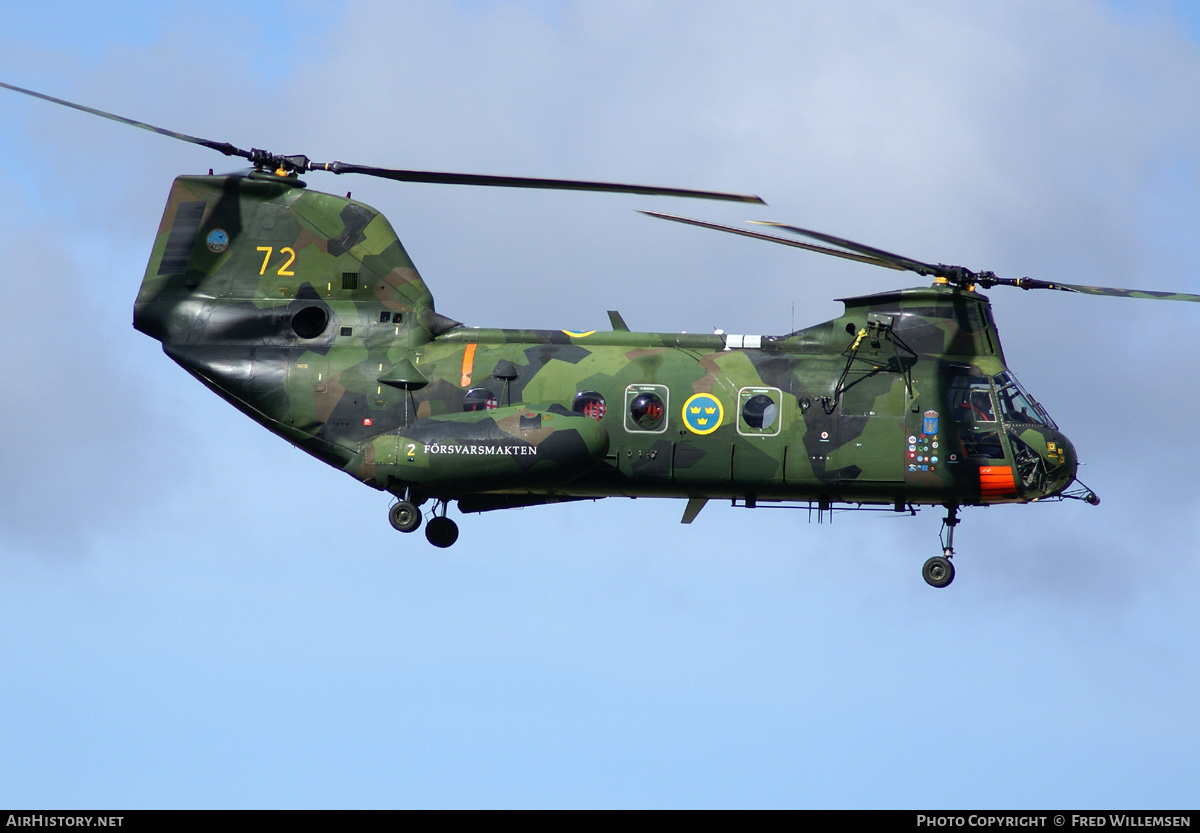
[(303, 310)]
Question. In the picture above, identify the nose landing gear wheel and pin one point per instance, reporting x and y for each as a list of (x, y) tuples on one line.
[(441, 532), (404, 516), (938, 571)]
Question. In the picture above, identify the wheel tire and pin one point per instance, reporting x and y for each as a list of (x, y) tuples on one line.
[(404, 516), (441, 532), (938, 571)]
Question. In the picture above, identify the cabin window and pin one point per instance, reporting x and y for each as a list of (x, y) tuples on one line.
[(759, 411), (646, 408), (479, 399), (310, 322), (589, 403)]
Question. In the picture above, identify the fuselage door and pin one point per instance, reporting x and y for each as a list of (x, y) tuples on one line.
[(870, 428)]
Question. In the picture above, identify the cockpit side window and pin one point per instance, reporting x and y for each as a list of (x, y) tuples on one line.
[(971, 400)]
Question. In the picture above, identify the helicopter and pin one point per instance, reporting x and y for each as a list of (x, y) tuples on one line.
[(303, 310)]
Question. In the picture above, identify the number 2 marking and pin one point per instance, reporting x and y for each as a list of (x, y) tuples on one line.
[(284, 268), (410, 450)]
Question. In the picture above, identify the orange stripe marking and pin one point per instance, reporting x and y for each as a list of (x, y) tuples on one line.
[(996, 480), (468, 364)]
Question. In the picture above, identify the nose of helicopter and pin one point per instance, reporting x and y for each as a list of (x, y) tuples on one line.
[(1059, 463)]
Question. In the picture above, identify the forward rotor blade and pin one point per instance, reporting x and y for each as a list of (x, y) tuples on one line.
[(757, 235), (957, 275), (444, 178), (960, 275), (899, 261), (1111, 291), (221, 147)]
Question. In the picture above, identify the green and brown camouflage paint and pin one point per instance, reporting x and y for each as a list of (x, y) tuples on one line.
[(304, 311)]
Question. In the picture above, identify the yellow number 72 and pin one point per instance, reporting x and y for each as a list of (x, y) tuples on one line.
[(284, 269)]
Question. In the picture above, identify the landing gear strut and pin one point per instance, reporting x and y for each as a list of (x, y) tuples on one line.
[(939, 571), (441, 531)]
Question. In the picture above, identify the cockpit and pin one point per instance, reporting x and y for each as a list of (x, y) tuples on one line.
[(1001, 428)]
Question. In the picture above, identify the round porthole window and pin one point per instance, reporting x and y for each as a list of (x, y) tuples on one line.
[(647, 411), (479, 399), (589, 403), (760, 411)]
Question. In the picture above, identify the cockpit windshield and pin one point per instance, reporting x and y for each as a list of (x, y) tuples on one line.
[(971, 401), (1018, 406)]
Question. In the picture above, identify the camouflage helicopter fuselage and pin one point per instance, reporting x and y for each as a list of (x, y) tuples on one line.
[(303, 310)]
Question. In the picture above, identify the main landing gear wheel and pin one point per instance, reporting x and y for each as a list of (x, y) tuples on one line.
[(441, 531), (938, 571), (404, 516)]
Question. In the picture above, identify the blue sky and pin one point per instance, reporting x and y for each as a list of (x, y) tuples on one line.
[(194, 614)]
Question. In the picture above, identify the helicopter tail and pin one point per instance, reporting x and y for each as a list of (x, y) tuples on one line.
[(230, 248)]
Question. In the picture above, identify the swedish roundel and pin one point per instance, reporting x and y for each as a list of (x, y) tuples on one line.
[(702, 413)]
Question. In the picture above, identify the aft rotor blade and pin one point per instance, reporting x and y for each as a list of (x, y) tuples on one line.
[(221, 147), (899, 261), (445, 178), (757, 235), (300, 164)]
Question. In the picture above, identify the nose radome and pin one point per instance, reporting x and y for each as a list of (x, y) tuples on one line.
[(1061, 462)]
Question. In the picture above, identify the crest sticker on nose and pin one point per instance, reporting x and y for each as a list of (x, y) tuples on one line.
[(929, 423), (702, 413)]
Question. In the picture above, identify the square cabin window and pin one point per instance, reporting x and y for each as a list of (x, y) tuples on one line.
[(646, 408)]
